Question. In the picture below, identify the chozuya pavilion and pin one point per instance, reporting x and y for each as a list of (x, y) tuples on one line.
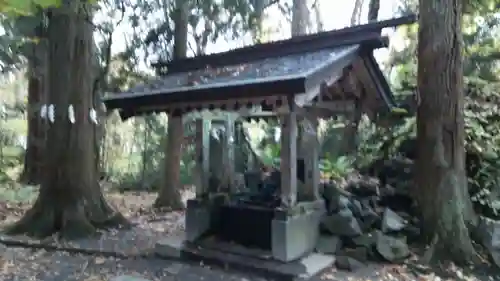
[(294, 81)]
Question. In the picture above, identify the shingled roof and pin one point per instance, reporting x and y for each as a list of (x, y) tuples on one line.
[(266, 74)]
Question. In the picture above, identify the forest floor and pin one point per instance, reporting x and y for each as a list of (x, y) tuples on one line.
[(129, 252)]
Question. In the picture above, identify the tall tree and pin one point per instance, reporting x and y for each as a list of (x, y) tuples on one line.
[(70, 200), (300, 17), (37, 85), (441, 180), (169, 195)]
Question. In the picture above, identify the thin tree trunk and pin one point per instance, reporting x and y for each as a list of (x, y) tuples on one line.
[(70, 200), (441, 181), (169, 195), (373, 10), (356, 12)]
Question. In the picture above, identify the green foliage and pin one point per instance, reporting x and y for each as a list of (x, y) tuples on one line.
[(336, 168)]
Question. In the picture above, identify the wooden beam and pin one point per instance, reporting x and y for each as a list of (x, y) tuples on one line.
[(228, 150), (202, 155), (307, 97), (310, 148), (288, 164)]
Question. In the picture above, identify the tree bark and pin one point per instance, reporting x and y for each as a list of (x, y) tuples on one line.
[(32, 168), (300, 18), (356, 12), (441, 182), (37, 71), (169, 195), (70, 200)]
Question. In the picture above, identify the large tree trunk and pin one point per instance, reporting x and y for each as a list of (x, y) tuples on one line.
[(70, 200), (300, 18), (32, 169), (441, 181), (37, 71), (169, 195)]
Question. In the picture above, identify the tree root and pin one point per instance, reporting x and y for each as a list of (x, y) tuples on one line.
[(71, 250), (70, 221)]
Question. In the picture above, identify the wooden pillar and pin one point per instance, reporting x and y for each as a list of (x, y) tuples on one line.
[(228, 151), (289, 157), (202, 155), (310, 149)]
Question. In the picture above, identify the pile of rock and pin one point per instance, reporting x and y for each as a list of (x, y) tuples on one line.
[(366, 222)]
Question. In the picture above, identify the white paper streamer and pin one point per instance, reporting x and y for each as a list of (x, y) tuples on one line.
[(308, 127), (52, 113), (71, 114), (43, 112), (93, 116)]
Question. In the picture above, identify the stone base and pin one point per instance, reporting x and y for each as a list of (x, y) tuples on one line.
[(198, 219), (300, 269), (293, 232), (171, 247), (248, 260), (296, 232)]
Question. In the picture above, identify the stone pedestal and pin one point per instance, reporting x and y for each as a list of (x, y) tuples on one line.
[(295, 233), (198, 219)]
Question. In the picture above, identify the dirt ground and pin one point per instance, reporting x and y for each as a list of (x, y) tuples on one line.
[(129, 252)]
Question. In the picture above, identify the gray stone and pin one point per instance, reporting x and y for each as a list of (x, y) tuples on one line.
[(348, 263), (296, 235), (328, 244), (315, 263), (390, 248), (495, 256), (488, 231), (197, 219), (337, 199), (369, 219), (366, 240), (174, 268), (359, 253), (128, 278), (392, 222), (356, 208), (342, 224), (170, 247)]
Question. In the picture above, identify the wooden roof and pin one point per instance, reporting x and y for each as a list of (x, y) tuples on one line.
[(266, 74)]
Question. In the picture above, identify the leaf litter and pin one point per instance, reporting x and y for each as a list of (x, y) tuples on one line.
[(128, 252)]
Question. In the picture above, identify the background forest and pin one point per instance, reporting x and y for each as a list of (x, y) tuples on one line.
[(131, 153)]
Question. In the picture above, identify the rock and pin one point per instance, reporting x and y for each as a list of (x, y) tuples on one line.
[(342, 223), (174, 268), (348, 263), (392, 222), (328, 244), (495, 256), (366, 240), (170, 247), (359, 253), (412, 233), (488, 232), (356, 208), (363, 188), (335, 198), (128, 278), (390, 248), (369, 219)]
